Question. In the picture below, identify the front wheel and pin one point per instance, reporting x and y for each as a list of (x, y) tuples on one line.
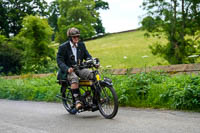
[(108, 102)]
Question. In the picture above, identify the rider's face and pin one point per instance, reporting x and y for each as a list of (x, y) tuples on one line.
[(75, 39)]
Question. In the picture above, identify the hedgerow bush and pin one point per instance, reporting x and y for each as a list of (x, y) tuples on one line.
[(184, 91), (154, 90), (140, 90), (158, 90), (37, 89)]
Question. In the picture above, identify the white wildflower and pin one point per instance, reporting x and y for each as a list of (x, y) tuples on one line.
[(145, 56), (108, 66), (193, 56)]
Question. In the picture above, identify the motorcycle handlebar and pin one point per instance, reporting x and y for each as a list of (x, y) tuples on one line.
[(87, 64)]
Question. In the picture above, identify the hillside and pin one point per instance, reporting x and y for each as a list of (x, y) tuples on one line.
[(124, 50)]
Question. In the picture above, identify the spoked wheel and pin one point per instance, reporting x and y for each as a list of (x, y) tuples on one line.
[(68, 101), (108, 102)]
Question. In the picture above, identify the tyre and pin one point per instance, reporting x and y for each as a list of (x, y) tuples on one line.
[(68, 101), (108, 102)]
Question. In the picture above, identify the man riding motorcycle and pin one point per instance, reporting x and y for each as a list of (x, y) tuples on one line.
[(73, 52)]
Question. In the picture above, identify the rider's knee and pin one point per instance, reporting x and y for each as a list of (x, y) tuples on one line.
[(74, 85), (73, 78)]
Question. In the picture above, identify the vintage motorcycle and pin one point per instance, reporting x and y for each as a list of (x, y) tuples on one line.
[(96, 94)]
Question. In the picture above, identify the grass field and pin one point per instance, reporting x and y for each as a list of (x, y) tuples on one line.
[(125, 50)]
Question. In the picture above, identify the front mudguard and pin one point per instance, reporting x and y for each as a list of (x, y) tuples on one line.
[(106, 82)]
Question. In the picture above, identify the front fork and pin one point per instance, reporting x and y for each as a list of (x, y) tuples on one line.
[(97, 92)]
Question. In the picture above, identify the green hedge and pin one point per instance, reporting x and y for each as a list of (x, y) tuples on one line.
[(37, 89), (154, 90), (159, 90)]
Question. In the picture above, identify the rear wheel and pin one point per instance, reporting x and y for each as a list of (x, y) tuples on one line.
[(108, 102), (68, 101)]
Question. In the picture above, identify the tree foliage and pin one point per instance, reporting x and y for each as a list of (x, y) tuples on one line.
[(76, 13), (81, 14), (99, 4), (35, 37), (12, 13), (10, 57), (179, 21), (53, 16)]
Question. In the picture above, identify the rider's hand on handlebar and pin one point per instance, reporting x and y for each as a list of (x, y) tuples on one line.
[(70, 70)]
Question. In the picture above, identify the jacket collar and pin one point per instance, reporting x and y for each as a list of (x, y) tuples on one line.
[(73, 45)]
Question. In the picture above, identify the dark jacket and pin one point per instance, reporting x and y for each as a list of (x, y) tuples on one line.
[(64, 59)]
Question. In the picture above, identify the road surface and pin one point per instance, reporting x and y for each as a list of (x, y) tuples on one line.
[(42, 117)]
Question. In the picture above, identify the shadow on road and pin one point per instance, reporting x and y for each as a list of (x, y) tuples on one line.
[(83, 116)]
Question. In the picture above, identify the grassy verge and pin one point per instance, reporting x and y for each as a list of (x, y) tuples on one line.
[(152, 90)]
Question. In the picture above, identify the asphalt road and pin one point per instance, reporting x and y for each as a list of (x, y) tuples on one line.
[(42, 117)]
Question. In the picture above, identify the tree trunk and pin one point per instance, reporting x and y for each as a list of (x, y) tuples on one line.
[(175, 41), (183, 20), (173, 38)]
